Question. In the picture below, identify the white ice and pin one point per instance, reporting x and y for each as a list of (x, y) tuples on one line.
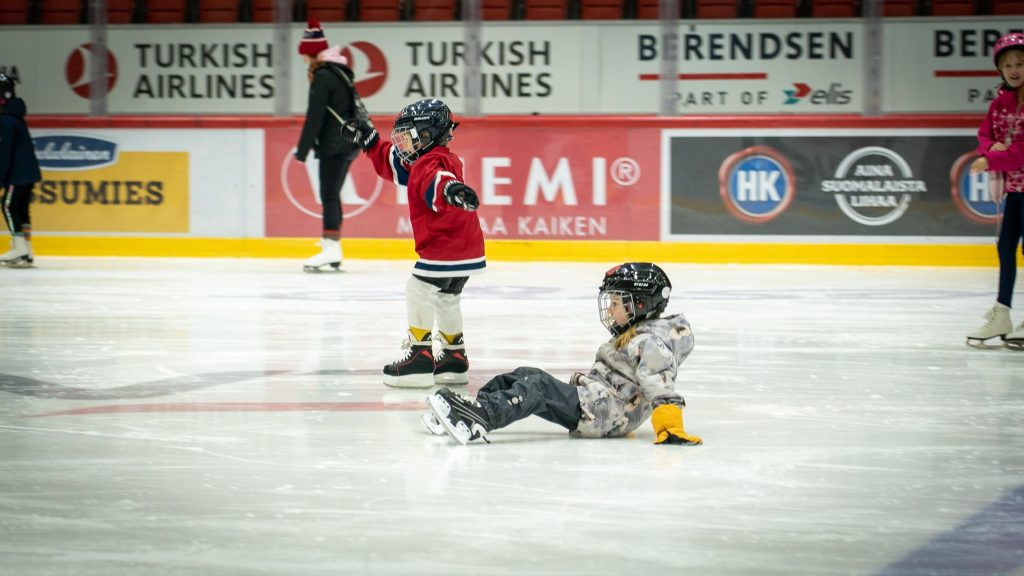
[(227, 417)]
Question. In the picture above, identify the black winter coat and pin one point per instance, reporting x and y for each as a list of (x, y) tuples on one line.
[(18, 164), (322, 131)]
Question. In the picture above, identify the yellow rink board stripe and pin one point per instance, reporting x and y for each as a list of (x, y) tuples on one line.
[(516, 250)]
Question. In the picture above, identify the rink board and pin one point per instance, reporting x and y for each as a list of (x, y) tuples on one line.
[(767, 189)]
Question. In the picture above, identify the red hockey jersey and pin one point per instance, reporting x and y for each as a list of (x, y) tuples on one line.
[(449, 240)]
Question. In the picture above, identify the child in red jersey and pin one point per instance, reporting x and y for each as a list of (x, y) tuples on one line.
[(449, 240)]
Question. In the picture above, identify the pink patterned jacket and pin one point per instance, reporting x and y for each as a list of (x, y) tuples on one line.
[(1004, 123)]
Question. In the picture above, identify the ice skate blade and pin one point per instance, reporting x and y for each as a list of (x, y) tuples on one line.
[(17, 264), (323, 268), (1015, 345), (441, 409), (409, 381), (981, 345), (451, 378), (431, 423)]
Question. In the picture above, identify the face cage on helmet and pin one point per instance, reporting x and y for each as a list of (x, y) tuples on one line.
[(406, 140), (605, 301)]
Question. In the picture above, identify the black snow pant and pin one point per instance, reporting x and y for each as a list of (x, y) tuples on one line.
[(333, 170), (530, 392), (1009, 238), (14, 200)]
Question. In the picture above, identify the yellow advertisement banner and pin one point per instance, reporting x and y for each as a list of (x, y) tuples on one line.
[(141, 192)]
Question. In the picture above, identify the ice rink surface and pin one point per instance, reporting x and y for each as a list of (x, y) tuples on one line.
[(227, 417)]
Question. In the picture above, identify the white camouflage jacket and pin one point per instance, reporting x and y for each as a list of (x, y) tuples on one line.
[(624, 386)]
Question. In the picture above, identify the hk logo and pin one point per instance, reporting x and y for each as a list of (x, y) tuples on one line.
[(757, 184), (369, 65), (78, 70)]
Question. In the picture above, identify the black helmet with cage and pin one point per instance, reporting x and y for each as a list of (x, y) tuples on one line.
[(641, 288), (420, 127)]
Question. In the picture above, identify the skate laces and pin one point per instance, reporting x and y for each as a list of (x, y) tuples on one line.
[(407, 348)]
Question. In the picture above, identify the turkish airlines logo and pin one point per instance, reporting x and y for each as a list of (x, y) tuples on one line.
[(370, 66), (79, 66), (301, 185)]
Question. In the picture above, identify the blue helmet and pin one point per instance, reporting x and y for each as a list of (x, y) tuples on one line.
[(420, 127)]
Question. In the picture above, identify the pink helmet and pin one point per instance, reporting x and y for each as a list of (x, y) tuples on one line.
[(1011, 40)]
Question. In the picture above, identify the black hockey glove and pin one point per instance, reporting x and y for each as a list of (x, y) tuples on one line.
[(461, 196), (369, 137), (361, 134)]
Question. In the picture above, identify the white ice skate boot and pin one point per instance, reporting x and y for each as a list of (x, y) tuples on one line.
[(997, 325), (1015, 340), (19, 256), (330, 256)]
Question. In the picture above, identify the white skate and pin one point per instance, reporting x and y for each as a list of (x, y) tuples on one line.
[(997, 325), (20, 254), (329, 257), (1015, 340)]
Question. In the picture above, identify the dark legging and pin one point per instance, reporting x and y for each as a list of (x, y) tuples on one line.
[(15, 200), (530, 392), (333, 170), (1009, 239)]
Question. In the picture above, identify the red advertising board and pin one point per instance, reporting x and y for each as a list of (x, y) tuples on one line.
[(535, 183)]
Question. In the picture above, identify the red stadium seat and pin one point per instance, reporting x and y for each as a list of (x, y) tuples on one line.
[(433, 10), (835, 8), (120, 11), (211, 11), (14, 12), (378, 10), (710, 9), (62, 12), (1008, 7), (647, 10), (165, 11), (545, 9), (774, 8), (952, 8), (325, 10), (896, 8), (263, 10), (601, 10), (496, 9)]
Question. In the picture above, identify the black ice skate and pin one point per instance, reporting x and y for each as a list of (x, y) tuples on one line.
[(451, 364), (415, 369), (463, 419)]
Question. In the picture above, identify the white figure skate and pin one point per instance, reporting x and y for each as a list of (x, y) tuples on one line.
[(1015, 340), (329, 258), (997, 325), (20, 254)]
